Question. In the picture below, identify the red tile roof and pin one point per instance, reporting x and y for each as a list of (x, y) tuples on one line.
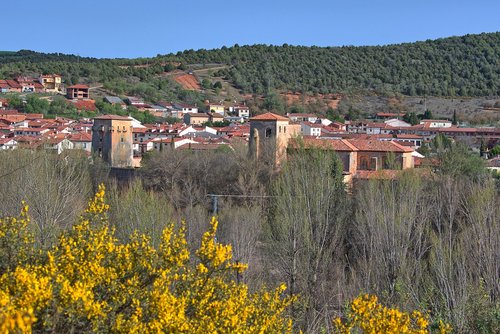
[(116, 117), (269, 116), (80, 137), (379, 146), (13, 84), (340, 145)]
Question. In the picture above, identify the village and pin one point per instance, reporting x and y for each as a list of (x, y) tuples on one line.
[(385, 143)]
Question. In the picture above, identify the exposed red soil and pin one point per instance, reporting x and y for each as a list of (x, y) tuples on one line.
[(188, 81)]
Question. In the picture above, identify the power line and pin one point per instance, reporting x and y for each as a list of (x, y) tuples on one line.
[(18, 168)]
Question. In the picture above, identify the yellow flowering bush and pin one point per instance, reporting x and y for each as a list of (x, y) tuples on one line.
[(369, 316), (91, 282)]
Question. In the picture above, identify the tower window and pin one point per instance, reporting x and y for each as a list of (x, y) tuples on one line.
[(269, 132)]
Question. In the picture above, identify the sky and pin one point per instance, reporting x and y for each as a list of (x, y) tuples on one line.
[(145, 28)]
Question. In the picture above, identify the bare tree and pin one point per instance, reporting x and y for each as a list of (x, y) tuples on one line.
[(56, 187), (306, 230)]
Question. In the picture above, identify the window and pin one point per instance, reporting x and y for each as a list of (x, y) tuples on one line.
[(385, 162), (363, 163), (269, 132)]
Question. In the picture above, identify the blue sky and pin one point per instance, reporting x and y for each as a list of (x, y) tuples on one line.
[(144, 28)]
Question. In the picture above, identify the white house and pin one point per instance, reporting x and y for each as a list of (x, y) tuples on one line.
[(7, 144), (185, 108), (310, 129), (299, 117), (58, 144), (394, 122), (436, 123)]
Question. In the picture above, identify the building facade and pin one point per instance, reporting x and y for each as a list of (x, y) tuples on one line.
[(112, 140)]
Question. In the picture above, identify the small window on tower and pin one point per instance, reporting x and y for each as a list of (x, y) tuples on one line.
[(269, 132)]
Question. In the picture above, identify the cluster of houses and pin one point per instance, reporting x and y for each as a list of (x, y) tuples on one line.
[(45, 83), (33, 131), (364, 147), (189, 114)]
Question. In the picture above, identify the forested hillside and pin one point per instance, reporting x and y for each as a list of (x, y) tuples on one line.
[(455, 66), (467, 65)]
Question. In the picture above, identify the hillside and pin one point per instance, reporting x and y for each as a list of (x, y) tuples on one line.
[(455, 66), (468, 65)]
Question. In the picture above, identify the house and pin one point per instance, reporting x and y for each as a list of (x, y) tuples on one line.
[(185, 108), (78, 92), (196, 118), (57, 144), (26, 131), (216, 108), (310, 129), (4, 86), (394, 122), (14, 86), (115, 100), (376, 154), (30, 85), (51, 82), (361, 158), (161, 144), (389, 115), (299, 117), (215, 117), (241, 111), (81, 141), (8, 144), (371, 128), (433, 123)]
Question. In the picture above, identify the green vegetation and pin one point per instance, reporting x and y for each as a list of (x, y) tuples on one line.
[(455, 66)]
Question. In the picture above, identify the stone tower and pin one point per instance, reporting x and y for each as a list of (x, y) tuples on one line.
[(269, 135), (112, 140)]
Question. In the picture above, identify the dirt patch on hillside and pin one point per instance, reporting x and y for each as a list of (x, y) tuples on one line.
[(188, 81)]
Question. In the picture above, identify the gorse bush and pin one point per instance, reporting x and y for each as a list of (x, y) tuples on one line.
[(369, 316), (90, 282)]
